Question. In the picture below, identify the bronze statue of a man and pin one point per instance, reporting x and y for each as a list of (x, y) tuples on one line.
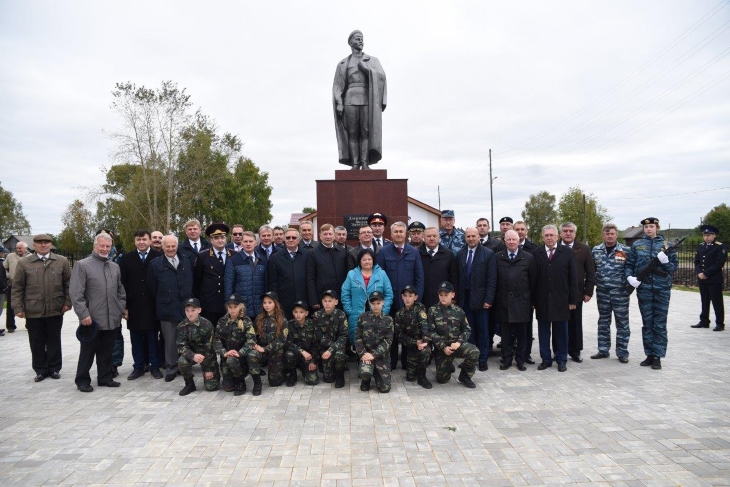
[(359, 98)]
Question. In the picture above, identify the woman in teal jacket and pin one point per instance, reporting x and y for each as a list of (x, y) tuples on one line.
[(360, 282)]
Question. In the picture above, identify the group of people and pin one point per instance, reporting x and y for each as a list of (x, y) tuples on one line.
[(282, 300)]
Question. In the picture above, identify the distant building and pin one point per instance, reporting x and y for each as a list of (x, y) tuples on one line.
[(13, 240), (632, 234)]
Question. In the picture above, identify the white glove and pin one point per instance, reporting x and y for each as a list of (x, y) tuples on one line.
[(633, 281), (662, 257)]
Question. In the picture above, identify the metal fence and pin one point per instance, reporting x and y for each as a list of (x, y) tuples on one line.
[(686, 275)]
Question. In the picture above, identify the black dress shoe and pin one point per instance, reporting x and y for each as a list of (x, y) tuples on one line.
[(2, 332), (700, 325), (544, 366), (599, 355), (11, 330), (562, 367), (155, 373), (717, 328), (85, 388), (39, 377), (136, 374), (111, 383), (504, 366), (529, 360), (623, 360), (521, 367), (483, 366), (115, 372), (170, 377), (576, 358), (55, 375)]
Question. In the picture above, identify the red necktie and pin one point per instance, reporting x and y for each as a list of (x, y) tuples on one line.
[(550, 257)]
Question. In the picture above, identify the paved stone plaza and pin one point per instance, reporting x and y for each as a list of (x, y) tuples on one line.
[(600, 422)]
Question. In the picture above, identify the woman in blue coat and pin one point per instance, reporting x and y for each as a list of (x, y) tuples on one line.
[(360, 282)]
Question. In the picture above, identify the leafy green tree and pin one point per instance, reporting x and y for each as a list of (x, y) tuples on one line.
[(12, 218), (719, 217), (309, 209), (79, 228), (539, 211), (570, 208), (246, 195)]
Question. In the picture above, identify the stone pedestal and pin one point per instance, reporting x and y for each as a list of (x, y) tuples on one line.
[(353, 195)]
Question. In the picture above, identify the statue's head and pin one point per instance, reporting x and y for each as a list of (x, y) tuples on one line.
[(355, 40)]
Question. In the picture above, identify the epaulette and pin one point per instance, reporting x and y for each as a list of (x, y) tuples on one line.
[(718, 243)]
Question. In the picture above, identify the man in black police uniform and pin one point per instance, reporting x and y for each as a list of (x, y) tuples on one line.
[(415, 234), (208, 273), (377, 222), (709, 262)]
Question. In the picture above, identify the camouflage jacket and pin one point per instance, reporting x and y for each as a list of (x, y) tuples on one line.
[(640, 255), (374, 334), (303, 337), (412, 324), (453, 242), (195, 337), (238, 335), (268, 339), (610, 267), (447, 324), (332, 328)]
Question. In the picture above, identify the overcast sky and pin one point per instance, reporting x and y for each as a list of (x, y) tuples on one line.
[(630, 100)]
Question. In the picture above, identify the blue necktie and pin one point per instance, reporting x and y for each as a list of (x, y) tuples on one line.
[(468, 262)]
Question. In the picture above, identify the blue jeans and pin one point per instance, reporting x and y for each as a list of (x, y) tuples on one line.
[(560, 332), (138, 339)]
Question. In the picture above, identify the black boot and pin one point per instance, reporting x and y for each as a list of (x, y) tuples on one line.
[(656, 364), (291, 380), (256, 391), (189, 387), (339, 379), (424, 382), (364, 385), (649, 360), (240, 387), (466, 380)]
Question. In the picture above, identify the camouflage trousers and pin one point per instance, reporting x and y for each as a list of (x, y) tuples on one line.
[(654, 307), (617, 302), (274, 361), (468, 351), (208, 365), (417, 361), (336, 363), (380, 369), (293, 361), (233, 368)]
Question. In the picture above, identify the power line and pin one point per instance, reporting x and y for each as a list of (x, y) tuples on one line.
[(675, 194)]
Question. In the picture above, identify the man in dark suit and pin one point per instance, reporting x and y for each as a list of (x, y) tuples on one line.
[(586, 282), (494, 244), (439, 265), (236, 242), (525, 243), (193, 244), (287, 273), (477, 287), (516, 281), (208, 273), (709, 262), (341, 238), (266, 247), (556, 295), (326, 266), (365, 234), (307, 241), (142, 320)]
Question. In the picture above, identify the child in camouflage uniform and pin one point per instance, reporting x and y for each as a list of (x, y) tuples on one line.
[(195, 346), (373, 338), (449, 331), (303, 347), (333, 332), (233, 340), (272, 334), (412, 323)]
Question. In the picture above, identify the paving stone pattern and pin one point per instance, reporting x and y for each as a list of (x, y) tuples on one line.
[(601, 422)]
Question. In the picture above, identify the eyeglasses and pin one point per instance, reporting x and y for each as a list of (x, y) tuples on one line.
[(237, 234), (291, 238)]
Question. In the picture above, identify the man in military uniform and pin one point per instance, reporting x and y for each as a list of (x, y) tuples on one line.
[(303, 347), (412, 324), (709, 262), (653, 291), (333, 332), (415, 233), (449, 331), (195, 346), (210, 267), (505, 223), (373, 338), (450, 237), (233, 340), (377, 222), (610, 259)]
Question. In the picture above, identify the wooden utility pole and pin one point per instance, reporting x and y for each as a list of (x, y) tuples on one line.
[(491, 192)]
